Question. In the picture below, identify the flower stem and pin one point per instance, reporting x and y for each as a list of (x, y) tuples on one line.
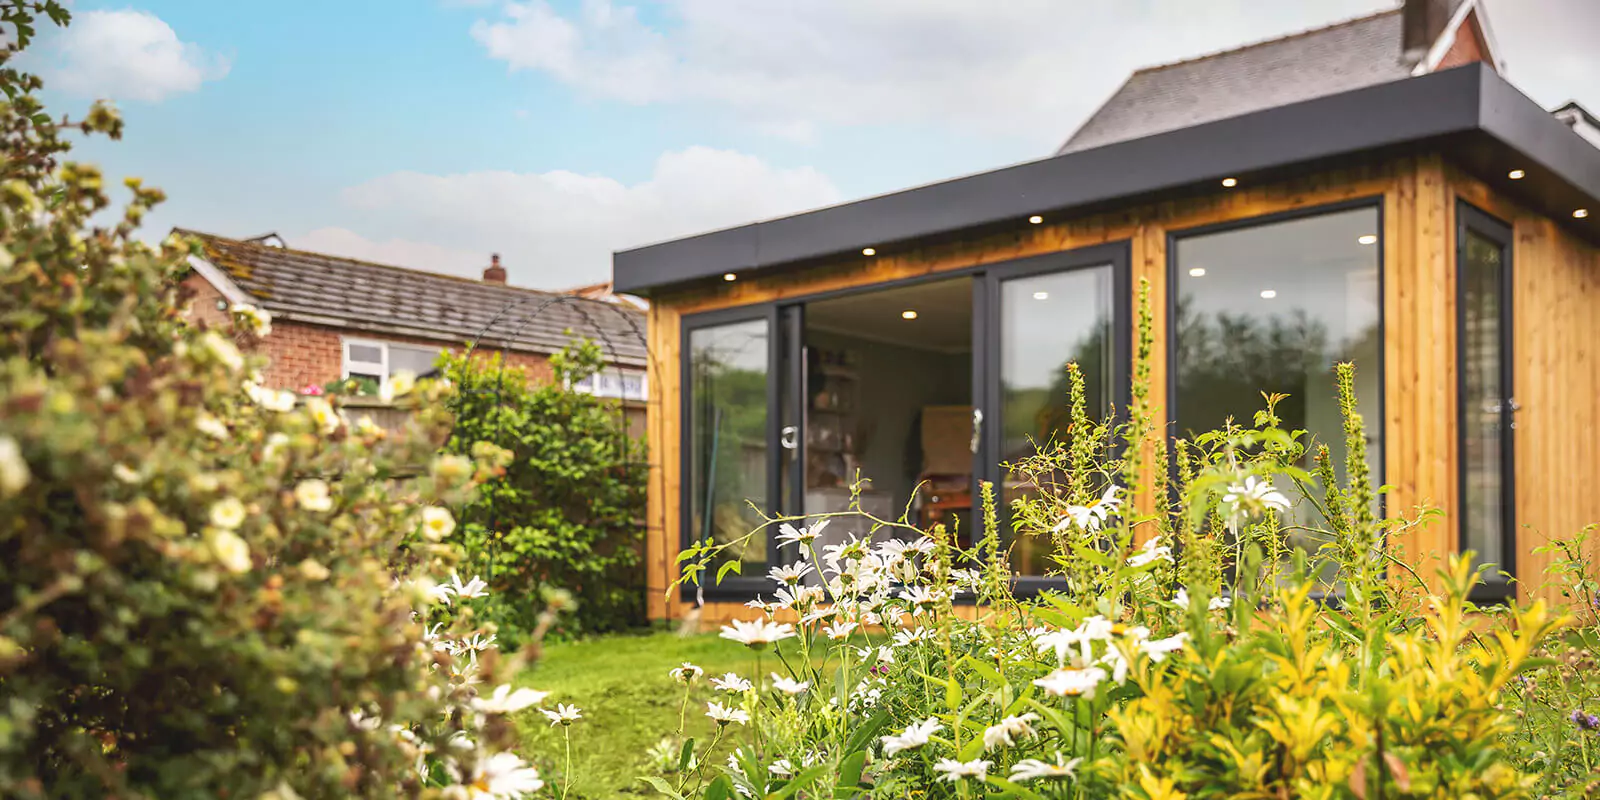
[(566, 776)]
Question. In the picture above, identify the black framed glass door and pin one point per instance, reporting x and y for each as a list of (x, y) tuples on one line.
[(1486, 407), (1040, 315)]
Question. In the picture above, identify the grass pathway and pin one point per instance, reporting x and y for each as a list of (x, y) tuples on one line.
[(629, 705)]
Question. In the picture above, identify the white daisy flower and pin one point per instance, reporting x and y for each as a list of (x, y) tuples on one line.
[(1151, 551), (726, 714), (1033, 769), (955, 770), (757, 634), (789, 534), (469, 590), (730, 683), (789, 685), (1072, 682), (562, 715), (502, 776), (1158, 649), (506, 701), (1254, 496), (790, 573), (839, 630), (687, 673), (1007, 730), (913, 737)]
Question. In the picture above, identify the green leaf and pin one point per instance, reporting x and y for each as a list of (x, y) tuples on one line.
[(850, 773), (686, 755), (799, 782), (985, 669), (863, 734), (664, 788), (720, 789)]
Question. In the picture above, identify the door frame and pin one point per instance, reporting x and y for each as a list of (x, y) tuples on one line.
[(1469, 217)]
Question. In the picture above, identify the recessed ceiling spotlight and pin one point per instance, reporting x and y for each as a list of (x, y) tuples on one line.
[(1197, 272), (1516, 174), (1268, 294), (728, 276), (1041, 295), (867, 251), (1229, 183), (1036, 219), (1580, 213), (908, 314), (1367, 238)]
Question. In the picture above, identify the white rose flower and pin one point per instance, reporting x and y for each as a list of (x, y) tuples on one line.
[(227, 513), (229, 550), (312, 495)]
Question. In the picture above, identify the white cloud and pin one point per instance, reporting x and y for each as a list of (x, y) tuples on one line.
[(1030, 68), (130, 55), (558, 229)]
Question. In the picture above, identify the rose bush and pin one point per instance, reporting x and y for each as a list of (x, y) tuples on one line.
[(208, 588)]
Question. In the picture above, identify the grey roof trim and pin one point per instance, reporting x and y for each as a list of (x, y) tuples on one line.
[(220, 281), (1465, 101)]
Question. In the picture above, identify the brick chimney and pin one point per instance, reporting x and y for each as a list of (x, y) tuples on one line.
[(494, 273), (1421, 22)]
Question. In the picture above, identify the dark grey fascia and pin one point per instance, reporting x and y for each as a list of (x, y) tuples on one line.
[(1463, 106)]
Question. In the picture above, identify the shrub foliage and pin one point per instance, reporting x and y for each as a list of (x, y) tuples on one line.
[(198, 575), (567, 511)]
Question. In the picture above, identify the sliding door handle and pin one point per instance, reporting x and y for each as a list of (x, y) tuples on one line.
[(977, 428), (790, 438)]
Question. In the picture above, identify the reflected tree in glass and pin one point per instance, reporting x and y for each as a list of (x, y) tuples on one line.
[(727, 438)]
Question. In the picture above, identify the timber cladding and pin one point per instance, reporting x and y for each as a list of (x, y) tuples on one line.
[(1557, 314)]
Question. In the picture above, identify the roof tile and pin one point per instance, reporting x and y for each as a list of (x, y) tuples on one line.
[(1338, 58), (378, 297)]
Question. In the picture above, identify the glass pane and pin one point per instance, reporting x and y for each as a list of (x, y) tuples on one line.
[(1482, 391), (1272, 308), (727, 437), (366, 353), (416, 360), (1046, 322)]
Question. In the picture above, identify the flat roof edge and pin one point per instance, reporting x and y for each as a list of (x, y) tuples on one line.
[(1465, 99)]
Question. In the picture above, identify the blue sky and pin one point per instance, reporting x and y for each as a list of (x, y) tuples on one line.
[(433, 132)]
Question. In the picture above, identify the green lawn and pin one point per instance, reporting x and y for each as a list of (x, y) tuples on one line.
[(629, 704)]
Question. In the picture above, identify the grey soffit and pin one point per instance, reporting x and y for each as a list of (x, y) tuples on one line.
[(376, 299), (1338, 58), (1469, 111)]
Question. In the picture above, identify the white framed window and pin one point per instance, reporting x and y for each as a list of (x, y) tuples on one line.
[(371, 358), (626, 384)]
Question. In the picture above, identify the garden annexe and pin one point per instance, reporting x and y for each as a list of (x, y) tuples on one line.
[(1429, 229)]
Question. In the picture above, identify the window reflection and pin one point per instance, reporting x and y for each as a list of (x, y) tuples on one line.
[(1048, 321), (728, 436), (1483, 417), (1272, 308)]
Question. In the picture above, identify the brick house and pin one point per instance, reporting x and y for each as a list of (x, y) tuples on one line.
[(335, 318)]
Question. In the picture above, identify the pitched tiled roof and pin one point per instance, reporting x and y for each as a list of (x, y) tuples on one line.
[(1316, 63), (377, 298)]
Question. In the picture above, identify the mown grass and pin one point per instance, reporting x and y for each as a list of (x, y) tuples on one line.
[(629, 705)]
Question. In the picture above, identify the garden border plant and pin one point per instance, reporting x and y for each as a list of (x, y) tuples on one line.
[(1184, 657)]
